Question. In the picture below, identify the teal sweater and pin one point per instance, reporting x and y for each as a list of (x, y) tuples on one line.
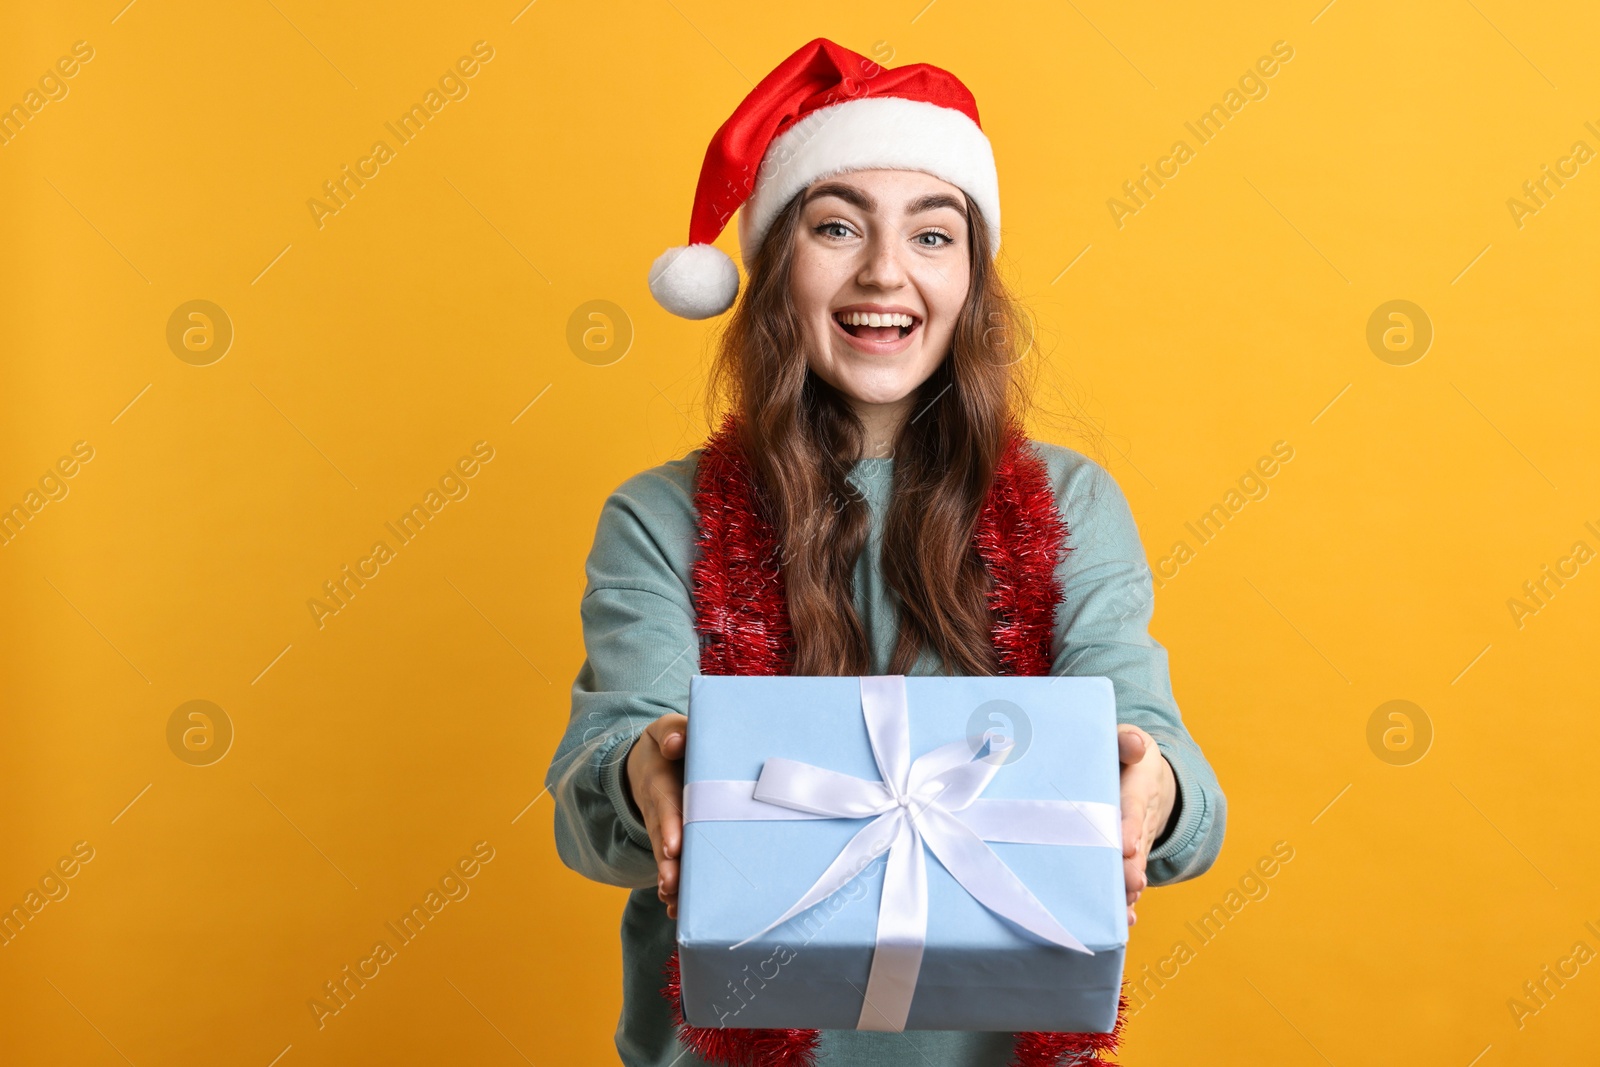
[(642, 648)]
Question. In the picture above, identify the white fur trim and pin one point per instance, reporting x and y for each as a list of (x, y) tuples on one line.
[(694, 281), (887, 132)]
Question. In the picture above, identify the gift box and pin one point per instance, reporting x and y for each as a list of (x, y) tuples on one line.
[(892, 853)]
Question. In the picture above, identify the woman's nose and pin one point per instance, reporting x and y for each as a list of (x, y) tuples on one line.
[(883, 268)]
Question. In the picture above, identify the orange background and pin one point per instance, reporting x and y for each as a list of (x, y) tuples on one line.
[(372, 753)]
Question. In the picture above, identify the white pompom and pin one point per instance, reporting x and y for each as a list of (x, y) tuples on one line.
[(694, 281)]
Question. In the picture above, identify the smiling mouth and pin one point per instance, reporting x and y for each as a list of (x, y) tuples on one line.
[(858, 324)]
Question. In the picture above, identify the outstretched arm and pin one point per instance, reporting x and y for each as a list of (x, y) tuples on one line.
[(641, 645), (1102, 628)]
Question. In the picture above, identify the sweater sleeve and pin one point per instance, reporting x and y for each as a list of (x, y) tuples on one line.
[(640, 650), (1102, 628)]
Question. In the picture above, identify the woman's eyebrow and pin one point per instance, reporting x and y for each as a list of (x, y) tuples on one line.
[(850, 194), (936, 200)]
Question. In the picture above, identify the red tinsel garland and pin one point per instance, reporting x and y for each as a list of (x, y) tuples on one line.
[(743, 620)]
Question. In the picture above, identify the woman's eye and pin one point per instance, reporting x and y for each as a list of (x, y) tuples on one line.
[(940, 239), (826, 226)]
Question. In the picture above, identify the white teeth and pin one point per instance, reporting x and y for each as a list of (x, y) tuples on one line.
[(866, 318)]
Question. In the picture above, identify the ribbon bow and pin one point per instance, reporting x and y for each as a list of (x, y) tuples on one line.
[(932, 801)]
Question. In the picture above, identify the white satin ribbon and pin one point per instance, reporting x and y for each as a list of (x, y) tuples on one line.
[(932, 800)]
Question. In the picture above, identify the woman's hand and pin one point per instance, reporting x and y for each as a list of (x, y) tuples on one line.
[(654, 773), (1149, 791)]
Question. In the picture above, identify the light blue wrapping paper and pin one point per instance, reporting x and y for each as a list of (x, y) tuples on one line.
[(978, 971)]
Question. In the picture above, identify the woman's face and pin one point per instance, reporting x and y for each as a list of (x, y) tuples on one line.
[(885, 242)]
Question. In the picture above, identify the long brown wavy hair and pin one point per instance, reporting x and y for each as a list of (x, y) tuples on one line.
[(802, 437)]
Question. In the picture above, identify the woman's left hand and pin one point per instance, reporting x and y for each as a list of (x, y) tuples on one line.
[(1149, 791)]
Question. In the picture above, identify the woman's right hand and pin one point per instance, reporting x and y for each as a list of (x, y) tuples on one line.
[(654, 770)]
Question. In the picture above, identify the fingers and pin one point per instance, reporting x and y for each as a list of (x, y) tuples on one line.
[(673, 741), (1135, 814), (666, 877), (672, 747), (672, 735), (671, 822), (1133, 877), (1139, 809), (1135, 842), (669, 870), (668, 838), (1131, 743), (1134, 746), (1135, 880), (659, 792), (652, 823)]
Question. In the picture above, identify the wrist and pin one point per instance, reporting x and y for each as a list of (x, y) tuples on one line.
[(626, 781), (613, 757), (1176, 806)]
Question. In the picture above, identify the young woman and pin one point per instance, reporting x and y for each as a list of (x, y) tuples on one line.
[(846, 519)]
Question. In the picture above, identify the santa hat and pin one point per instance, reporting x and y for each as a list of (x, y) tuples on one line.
[(822, 111)]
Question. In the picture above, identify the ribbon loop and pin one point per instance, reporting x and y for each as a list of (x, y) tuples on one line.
[(806, 787), (950, 775)]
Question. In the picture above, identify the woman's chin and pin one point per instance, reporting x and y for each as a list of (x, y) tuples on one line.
[(877, 390)]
